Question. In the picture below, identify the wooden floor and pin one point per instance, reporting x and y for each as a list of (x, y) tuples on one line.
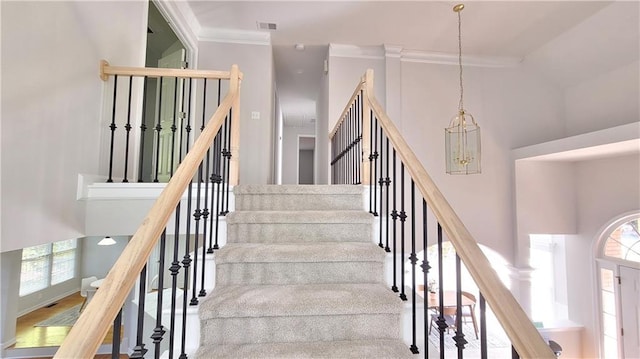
[(30, 336)]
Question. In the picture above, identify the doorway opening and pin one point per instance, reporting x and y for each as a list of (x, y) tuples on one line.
[(159, 158), (306, 155), (618, 276)]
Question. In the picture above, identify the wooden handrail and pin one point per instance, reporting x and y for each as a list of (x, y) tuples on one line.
[(524, 336), (87, 334), (107, 70), (366, 124)]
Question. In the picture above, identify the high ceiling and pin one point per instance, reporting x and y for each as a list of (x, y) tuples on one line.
[(511, 29)]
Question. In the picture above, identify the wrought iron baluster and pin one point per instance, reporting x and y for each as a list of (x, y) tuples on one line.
[(228, 160), (483, 327), (212, 181), (186, 260), (514, 353), (197, 214), (442, 324), (159, 330), (127, 128), (403, 218), (173, 128), (425, 274), (375, 162), (414, 260), (217, 180), (381, 183), (143, 129), (387, 182), (158, 128), (113, 127), (459, 337), (358, 137), (139, 350), (372, 184), (224, 163), (174, 269), (117, 329), (394, 216)]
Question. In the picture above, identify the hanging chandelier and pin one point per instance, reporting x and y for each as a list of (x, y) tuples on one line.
[(462, 137)]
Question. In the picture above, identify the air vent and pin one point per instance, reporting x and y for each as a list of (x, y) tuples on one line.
[(267, 26)]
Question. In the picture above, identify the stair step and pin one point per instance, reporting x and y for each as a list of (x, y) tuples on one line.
[(295, 197), (381, 348), (298, 313), (290, 263), (299, 226)]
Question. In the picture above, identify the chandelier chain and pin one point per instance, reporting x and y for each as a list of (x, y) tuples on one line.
[(461, 103)]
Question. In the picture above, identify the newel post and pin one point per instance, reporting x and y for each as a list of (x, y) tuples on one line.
[(234, 166)]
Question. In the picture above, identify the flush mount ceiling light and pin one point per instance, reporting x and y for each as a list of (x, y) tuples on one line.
[(462, 137), (107, 241)]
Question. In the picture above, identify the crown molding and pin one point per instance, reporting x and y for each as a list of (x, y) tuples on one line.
[(442, 58), (417, 56), (392, 51), (360, 52), (235, 36), (182, 19)]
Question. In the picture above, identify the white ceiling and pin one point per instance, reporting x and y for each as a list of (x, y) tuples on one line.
[(512, 29)]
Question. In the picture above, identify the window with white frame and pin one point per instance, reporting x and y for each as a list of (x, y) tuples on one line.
[(548, 278), (46, 265)]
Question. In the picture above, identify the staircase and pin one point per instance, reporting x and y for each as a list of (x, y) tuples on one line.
[(300, 278)]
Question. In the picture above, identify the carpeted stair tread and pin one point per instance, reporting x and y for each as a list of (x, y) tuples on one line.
[(297, 189), (379, 349), (284, 217), (299, 300), (300, 252)]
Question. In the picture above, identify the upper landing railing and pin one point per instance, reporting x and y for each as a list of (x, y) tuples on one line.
[(367, 148), (214, 154)]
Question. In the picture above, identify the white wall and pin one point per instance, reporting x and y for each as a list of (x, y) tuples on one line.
[(605, 101), (512, 109), (290, 151), (256, 94), (322, 133), (605, 188), (97, 260), (51, 106), (344, 74), (545, 200)]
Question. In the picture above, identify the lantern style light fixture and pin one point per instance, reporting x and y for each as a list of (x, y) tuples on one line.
[(462, 137)]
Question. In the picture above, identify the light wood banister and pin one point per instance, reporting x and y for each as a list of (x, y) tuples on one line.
[(87, 334), (343, 115), (524, 336), (365, 81), (107, 70)]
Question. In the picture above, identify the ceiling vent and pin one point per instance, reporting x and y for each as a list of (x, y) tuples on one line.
[(267, 26)]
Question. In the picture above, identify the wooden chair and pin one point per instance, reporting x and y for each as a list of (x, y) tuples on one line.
[(449, 314), (470, 311)]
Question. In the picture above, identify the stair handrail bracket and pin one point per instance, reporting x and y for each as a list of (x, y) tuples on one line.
[(525, 338), (87, 334)]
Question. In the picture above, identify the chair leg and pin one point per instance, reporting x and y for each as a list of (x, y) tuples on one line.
[(475, 325), (83, 304)]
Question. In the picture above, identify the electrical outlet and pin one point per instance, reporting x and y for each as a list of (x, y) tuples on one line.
[(255, 115)]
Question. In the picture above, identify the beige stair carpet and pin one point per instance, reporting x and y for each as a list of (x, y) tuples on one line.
[(300, 278)]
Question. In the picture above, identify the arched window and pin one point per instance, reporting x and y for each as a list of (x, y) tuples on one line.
[(618, 256), (624, 241)]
